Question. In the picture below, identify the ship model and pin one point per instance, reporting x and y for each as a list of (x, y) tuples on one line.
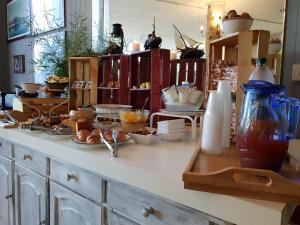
[(188, 47)]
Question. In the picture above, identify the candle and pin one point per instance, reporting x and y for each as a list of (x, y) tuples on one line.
[(135, 46), (173, 55)]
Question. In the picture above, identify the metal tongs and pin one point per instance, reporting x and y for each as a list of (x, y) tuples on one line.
[(113, 151)]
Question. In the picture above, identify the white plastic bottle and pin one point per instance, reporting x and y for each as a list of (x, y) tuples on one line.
[(262, 72), (211, 140), (224, 89)]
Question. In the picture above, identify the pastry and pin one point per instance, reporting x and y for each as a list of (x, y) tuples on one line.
[(82, 135), (231, 14), (93, 139), (70, 123), (245, 15), (83, 124), (96, 132), (121, 136), (108, 136)]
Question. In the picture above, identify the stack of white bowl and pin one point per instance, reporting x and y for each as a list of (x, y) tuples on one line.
[(171, 130)]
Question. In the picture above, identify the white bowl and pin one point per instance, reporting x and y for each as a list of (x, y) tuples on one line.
[(274, 48), (172, 136), (30, 87), (110, 108), (144, 139), (236, 25)]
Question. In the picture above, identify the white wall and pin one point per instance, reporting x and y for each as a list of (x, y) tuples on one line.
[(136, 16)]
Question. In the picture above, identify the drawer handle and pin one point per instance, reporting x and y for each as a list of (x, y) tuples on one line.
[(70, 177), (27, 157), (147, 211), (42, 222), (0, 144), (8, 196)]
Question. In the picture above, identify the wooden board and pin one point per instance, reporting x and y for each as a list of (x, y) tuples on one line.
[(223, 174)]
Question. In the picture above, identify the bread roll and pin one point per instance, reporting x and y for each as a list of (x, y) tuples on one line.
[(231, 14), (93, 139), (82, 135)]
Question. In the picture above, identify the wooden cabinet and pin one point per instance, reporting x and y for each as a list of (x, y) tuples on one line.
[(68, 208), (6, 191), (31, 194)]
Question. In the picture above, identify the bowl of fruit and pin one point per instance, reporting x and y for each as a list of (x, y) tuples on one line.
[(55, 82), (134, 119), (232, 22)]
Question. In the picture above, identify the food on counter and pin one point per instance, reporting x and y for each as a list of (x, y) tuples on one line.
[(134, 116), (232, 15), (57, 79), (145, 85), (81, 114), (70, 123), (83, 124), (82, 135), (93, 139), (142, 131), (120, 138)]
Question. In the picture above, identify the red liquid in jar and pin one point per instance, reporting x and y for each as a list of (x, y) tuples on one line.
[(258, 150)]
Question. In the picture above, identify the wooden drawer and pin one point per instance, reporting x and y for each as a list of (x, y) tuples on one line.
[(32, 159), (77, 179), (69, 208), (146, 209), (5, 148)]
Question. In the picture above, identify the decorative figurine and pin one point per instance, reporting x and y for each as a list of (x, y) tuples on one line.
[(152, 41)]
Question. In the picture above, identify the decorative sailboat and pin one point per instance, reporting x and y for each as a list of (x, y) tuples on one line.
[(187, 46)]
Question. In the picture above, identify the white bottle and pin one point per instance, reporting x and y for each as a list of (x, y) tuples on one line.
[(224, 89), (262, 72), (211, 141)]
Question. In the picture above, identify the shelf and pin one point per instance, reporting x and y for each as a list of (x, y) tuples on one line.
[(81, 89), (232, 39), (107, 88), (140, 89)]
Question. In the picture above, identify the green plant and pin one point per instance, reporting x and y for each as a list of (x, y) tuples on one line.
[(58, 46)]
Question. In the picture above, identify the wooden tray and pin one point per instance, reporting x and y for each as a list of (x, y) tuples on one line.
[(223, 174)]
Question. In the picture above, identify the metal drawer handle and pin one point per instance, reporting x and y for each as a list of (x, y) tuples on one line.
[(27, 157), (147, 211), (70, 177), (42, 222), (8, 196), (0, 144)]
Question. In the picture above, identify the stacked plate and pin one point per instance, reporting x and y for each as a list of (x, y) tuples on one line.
[(171, 130)]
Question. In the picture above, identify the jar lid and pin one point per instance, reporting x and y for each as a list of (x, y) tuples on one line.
[(262, 87)]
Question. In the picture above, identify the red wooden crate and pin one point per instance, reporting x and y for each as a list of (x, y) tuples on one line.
[(113, 68), (191, 70), (149, 66)]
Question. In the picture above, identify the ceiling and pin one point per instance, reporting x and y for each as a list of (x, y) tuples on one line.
[(269, 10)]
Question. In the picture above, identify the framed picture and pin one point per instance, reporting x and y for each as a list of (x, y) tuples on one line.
[(19, 63), (18, 18)]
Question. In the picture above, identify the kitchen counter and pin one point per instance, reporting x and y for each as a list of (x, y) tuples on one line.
[(156, 168)]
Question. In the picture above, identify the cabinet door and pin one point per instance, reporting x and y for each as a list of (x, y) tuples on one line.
[(31, 197), (6, 192), (68, 208)]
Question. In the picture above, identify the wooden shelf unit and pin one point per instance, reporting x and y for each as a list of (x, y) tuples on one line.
[(149, 66), (113, 68), (241, 48), (83, 69)]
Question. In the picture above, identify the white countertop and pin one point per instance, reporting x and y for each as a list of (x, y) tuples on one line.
[(156, 168)]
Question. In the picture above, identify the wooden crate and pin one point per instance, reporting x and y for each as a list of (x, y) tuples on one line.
[(240, 48), (191, 70), (113, 68), (83, 69), (27, 105), (149, 66)]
